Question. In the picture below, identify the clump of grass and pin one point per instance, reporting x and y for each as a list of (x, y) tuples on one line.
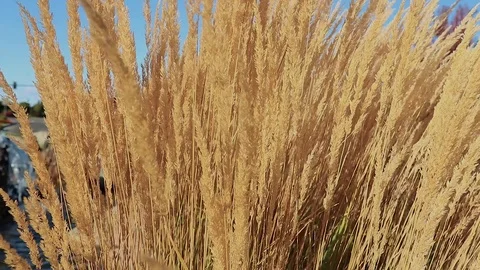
[(283, 134)]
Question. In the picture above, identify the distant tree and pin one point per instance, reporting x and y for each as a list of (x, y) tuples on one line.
[(37, 110), (26, 105), (460, 14), (449, 26), (443, 13)]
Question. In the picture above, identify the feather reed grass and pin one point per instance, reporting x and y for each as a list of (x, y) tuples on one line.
[(281, 135)]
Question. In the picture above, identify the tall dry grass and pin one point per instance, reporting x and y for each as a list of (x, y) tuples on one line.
[(282, 135)]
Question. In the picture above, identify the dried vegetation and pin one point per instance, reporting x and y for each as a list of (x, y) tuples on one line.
[(282, 135)]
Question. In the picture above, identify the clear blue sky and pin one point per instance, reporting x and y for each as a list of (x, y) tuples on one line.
[(14, 52)]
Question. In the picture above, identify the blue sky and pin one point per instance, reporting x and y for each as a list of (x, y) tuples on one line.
[(14, 52)]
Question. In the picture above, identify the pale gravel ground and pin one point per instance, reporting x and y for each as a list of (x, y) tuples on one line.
[(8, 229), (39, 128), (38, 125)]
